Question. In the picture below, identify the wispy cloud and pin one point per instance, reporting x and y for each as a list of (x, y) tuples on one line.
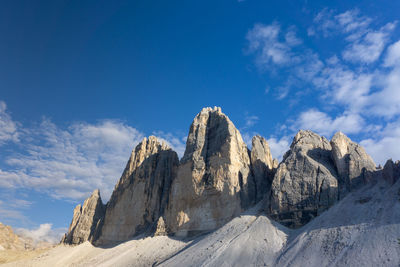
[(8, 128), (251, 120), (368, 47), (270, 45), (322, 123), (70, 163), (384, 144)]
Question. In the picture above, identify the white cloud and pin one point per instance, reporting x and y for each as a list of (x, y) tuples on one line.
[(323, 124), (291, 38), (385, 144), (351, 21), (365, 44), (8, 128), (71, 163), (44, 233), (345, 86), (393, 55), (386, 102), (279, 147), (324, 22), (369, 47), (251, 120), (264, 41)]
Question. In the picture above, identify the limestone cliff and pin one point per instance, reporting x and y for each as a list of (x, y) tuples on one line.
[(305, 183), (214, 181), (85, 220), (141, 195), (353, 164), (263, 166)]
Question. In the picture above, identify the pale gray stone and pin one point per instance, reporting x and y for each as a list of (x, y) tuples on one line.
[(354, 166), (305, 183), (214, 181), (263, 166), (141, 195), (85, 220)]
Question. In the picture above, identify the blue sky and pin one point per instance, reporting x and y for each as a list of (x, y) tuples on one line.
[(83, 81)]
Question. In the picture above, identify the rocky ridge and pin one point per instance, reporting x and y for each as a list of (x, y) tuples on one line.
[(219, 177)]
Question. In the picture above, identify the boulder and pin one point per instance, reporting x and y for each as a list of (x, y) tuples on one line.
[(214, 181), (85, 220), (142, 193), (305, 183)]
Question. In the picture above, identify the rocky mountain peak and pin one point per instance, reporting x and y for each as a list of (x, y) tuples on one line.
[(144, 149), (305, 182), (214, 181), (354, 165), (85, 220), (306, 139), (141, 195)]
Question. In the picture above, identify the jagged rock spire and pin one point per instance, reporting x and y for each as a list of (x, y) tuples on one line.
[(214, 181), (263, 166), (85, 220)]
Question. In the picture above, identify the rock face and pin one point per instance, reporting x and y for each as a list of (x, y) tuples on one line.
[(305, 183), (391, 171), (214, 181), (9, 240), (141, 195), (263, 166), (354, 165), (85, 220)]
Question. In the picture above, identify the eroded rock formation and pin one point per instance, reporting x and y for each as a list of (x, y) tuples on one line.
[(354, 166), (263, 166), (218, 178), (214, 181), (85, 220), (141, 195), (305, 183)]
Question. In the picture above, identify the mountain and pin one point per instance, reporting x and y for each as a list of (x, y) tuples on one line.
[(9, 240), (324, 204)]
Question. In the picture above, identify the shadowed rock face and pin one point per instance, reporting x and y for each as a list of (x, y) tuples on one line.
[(141, 195), (214, 181), (85, 220), (354, 165), (263, 166), (305, 183)]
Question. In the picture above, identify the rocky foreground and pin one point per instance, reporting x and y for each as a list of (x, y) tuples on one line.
[(324, 204)]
